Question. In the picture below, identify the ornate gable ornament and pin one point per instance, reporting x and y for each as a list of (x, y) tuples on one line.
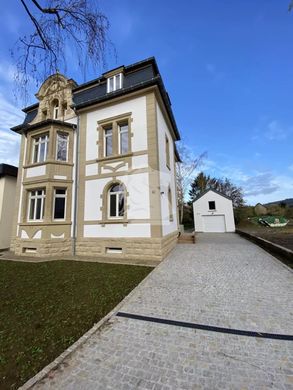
[(55, 97)]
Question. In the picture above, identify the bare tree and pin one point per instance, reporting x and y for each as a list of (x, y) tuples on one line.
[(184, 175), (61, 29)]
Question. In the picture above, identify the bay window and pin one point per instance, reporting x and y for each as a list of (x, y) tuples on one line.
[(40, 148), (62, 146), (36, 205), (59, 203)]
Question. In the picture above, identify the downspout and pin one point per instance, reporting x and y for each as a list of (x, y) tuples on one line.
[(75, 188)]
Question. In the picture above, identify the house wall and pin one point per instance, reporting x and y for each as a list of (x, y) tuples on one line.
[(7, 207), (223, 207), (142, 234), (47, 237), (130, 170), (146, 230), (167, 175)]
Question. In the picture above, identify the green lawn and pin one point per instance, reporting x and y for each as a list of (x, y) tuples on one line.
[(45, 307)]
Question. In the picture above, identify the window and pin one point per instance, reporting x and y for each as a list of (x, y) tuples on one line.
[(62, 147), (108, 140), (59, 203), (40, 148), (114, 83), (123, 138), (212, 205), (55, 109), (116, 201), (170, 205), (167, 152), (36, 205)]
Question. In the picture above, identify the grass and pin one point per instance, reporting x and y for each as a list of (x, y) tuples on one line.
[(45, 307)]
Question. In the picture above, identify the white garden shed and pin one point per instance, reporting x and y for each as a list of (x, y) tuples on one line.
[(213, 213)]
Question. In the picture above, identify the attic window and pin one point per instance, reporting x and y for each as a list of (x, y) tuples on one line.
[(212, 205), (114, 82), (55, 105)]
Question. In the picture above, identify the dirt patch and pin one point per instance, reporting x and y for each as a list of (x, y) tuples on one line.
[(281, 236)]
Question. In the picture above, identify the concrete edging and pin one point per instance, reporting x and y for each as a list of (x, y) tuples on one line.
[(96, 327), (268, 245)]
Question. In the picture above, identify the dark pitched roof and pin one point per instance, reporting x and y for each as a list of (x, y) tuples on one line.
[(211, 189), (8, 170), (47, 122), (137, 76)]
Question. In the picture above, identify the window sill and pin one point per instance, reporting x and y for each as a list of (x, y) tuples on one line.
[(114, 157), (37, 223), (38, 164), (113, 221)]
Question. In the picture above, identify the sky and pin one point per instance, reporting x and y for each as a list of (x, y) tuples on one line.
[(227, 66)]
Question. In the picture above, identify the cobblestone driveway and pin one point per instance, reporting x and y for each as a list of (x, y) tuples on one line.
[(224, 281)]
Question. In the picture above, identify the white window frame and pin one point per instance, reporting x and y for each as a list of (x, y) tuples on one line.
[(119, 136), (67, 143), (38, 141), (33, 195), (105, 140), (117, 193), (116, 85), (65, 203)]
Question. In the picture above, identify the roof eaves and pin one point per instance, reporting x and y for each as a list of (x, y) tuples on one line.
[(211, 189), (30, 108), (8, 170), (157, 80), (41, 124)]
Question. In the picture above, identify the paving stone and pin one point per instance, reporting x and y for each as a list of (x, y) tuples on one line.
[(224, 281)]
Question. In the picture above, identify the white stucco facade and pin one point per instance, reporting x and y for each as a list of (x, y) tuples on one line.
[(105, 153), (213, 213), (167, 175)]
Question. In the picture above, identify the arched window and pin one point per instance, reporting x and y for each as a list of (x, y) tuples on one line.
[(116, 201), (55, 105)]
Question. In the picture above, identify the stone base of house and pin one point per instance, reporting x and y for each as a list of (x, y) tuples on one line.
[(127, 248), (118, 248), (41, 247)]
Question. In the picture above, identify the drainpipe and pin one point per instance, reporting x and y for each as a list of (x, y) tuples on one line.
[(75, 188)]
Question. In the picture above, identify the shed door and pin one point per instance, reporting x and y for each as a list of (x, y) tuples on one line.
[(214, 223)]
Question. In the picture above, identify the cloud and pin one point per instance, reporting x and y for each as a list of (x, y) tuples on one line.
[(275, 132), (261, 184), (272, 131), (258, 186), (9, 141)]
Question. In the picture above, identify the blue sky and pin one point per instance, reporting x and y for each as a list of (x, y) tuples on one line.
[(228, 67)]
